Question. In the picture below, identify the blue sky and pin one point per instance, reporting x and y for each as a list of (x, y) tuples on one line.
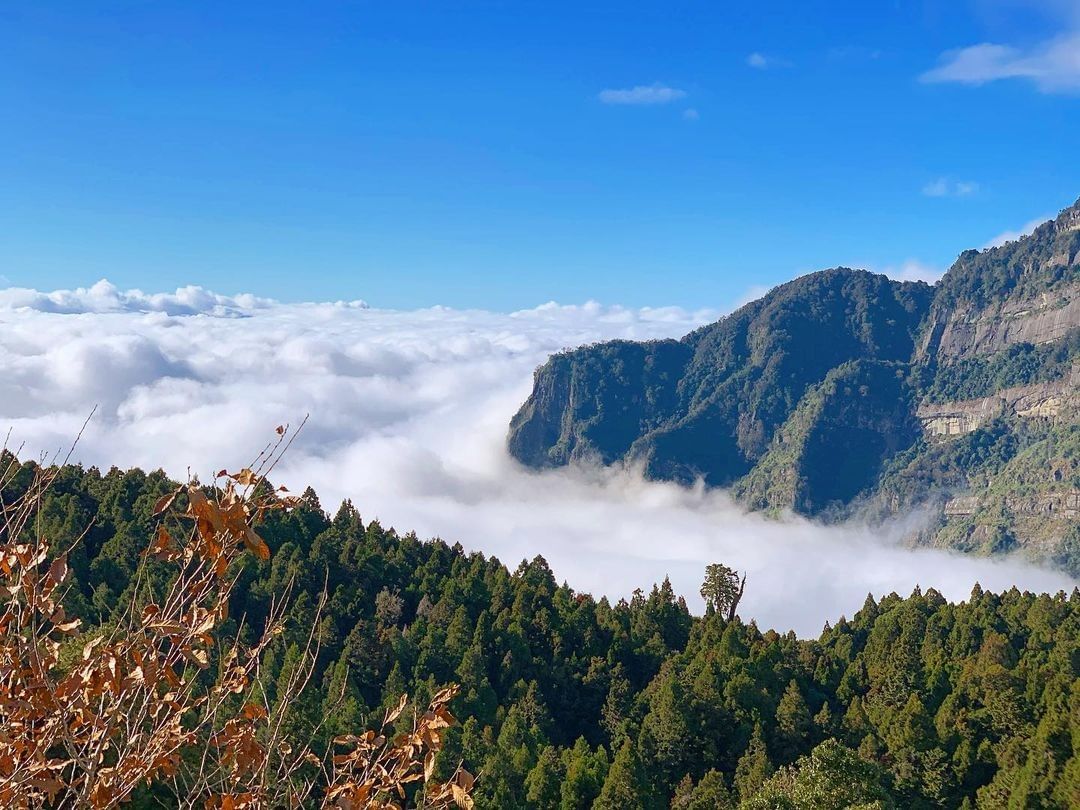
[(500, 155)]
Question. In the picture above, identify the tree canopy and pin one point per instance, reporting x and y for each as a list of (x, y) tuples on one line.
[(567, 700)]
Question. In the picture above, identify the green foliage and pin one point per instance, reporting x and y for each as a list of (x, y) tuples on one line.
[(1017, 364), (831, 777), (572, 702), (711, 793), (1024, 269), (586, 771), (793, 723), (754, 766), (626, 786), (710, 404), (722, 588)]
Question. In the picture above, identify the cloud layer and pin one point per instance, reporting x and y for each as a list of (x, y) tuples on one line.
[(105, 297), (408, 418)]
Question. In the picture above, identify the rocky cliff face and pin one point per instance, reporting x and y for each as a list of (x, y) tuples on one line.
[(594, 403), (1027, 291), (970, 331), (1048, 400), (845, 387)]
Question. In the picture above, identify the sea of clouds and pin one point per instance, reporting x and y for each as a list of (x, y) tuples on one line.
[(408, 418)]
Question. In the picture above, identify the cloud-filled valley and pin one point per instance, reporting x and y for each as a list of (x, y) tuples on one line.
[(408, 417)]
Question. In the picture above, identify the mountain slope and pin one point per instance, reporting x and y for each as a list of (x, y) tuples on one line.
[(709, 404), (843, 387)]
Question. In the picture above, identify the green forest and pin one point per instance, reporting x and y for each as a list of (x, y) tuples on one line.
[(568, 701)]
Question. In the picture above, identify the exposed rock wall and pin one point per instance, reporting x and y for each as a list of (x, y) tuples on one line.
[(1052, 505), (968, 333), (962, 506), (1055, 504), (1044, 400)]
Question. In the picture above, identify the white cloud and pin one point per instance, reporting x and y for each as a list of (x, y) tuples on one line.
[(104, 297), (644, 94), (914, 270), (761, 61), (1019, 233), (409, 412), (944, 187), (1053, 65)]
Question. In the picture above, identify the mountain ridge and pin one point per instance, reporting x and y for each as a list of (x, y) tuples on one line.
[(813, 398)]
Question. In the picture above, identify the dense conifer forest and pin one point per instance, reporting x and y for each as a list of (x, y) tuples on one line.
[(568, 701)]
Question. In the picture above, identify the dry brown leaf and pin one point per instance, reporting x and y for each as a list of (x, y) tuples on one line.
[(164, 502), (58, 571), (245, 477), (395, 713), (256, 545)]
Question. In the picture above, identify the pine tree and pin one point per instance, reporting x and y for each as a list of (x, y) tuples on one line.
[(625, 788), (586, 771), (542, 785), (754, 766), (1047, 755), (794, 724), (823, 722), (681, 798), (711, 793), (855, 724)]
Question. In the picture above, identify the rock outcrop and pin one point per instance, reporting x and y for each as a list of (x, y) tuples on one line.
[(971, 331), (1039, 401)]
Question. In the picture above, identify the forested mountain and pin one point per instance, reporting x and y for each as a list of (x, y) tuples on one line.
[(845, 390), (573, 702)]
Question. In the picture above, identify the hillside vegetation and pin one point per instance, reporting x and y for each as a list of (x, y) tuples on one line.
[(837, 391), (569, 701)]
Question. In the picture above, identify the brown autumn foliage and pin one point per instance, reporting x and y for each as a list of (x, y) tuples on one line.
[(163, 698)]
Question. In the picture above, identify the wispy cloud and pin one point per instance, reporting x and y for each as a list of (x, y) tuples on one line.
[(944, 187), (643, 94), (907, 270), (854, 53), (690, 114), (1053, 65), (914, 270), (761, 61), (1019, 233)]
